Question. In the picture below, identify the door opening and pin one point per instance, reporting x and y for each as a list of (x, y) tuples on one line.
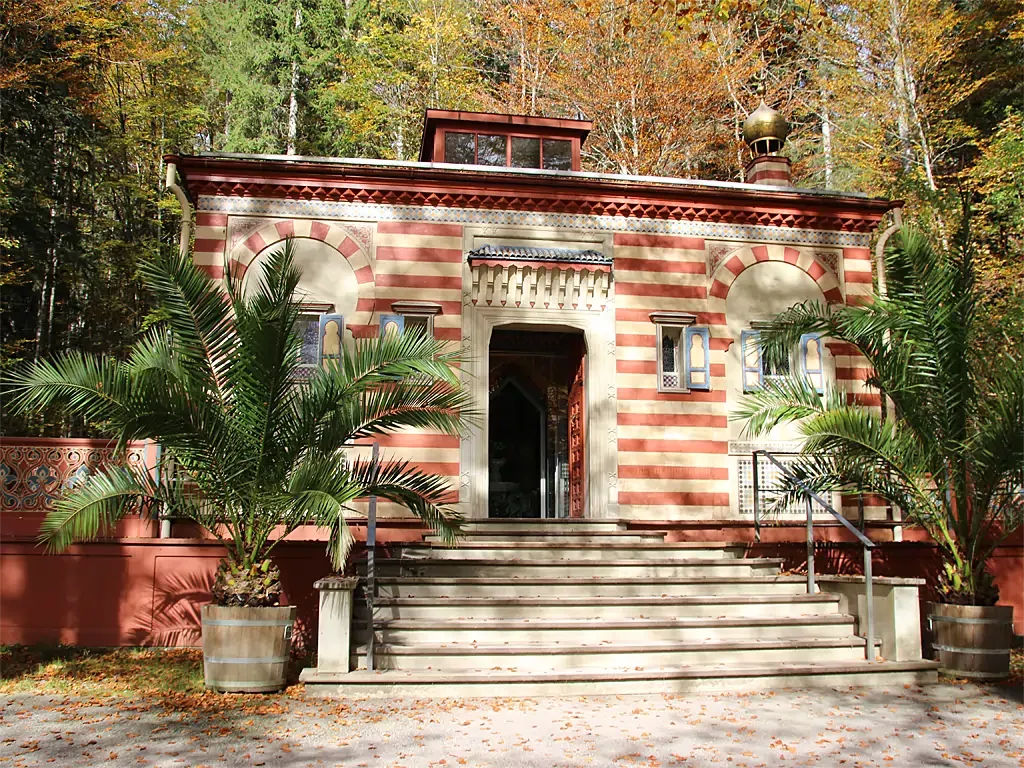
[(535, 449)]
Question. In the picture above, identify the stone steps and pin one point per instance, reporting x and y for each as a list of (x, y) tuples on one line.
[(633, 630), (620, 680), (557, 536), (574, 586), (533, 527), (577, 568), (575, 549), (527, 608), (544, 657), (716, 606)]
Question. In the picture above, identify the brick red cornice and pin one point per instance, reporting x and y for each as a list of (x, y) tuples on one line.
[(487, 190)]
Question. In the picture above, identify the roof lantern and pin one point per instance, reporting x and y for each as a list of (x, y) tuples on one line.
[(765, 130), (509, 141)]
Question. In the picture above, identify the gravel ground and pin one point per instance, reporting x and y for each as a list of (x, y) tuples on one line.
[(937, 725)]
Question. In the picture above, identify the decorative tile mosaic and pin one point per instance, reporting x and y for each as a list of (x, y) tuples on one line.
[(362, 234), (829, 259), (240, 227), (374, 212), (33, 474), (717, 253)]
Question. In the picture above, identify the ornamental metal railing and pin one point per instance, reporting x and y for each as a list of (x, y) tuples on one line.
[(371, 572), (810, 497)]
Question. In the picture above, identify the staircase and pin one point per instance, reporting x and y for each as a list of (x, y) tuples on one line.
[(525, 608)]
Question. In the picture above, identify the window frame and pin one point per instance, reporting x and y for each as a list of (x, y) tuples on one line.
[(509, 136), (322, 314), (682, 321), (750, 335), (426, 310), (808, 373), (705, 335), (797, 361)]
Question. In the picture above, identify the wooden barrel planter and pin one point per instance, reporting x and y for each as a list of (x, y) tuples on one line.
[(245, 650), (972, 641)]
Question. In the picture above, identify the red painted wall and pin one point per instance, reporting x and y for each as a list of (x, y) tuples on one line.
[(140, 590), (143, 591)]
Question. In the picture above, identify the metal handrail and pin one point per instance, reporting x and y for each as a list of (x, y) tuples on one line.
[(868, 544), (371, 571)]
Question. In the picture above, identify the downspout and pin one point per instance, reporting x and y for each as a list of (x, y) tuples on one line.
[(897, 224), (184, 241)]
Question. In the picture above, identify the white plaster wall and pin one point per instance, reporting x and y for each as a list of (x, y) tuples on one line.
[(327, 277), (760, 293)]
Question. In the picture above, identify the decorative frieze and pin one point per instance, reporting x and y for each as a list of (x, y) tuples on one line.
[(803, 232), (575, 286)]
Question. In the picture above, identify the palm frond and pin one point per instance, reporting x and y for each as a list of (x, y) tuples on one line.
[(96, 388)]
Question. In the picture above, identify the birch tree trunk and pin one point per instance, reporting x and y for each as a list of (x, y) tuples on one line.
[(826, 141), (293, 98)]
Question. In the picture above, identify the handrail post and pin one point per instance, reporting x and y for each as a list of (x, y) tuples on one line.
[(869, 607), (371, 575), (810, 546), (757, 517)]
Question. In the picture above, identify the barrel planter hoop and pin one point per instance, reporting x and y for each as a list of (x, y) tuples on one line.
[(245, 650), (972, 641)]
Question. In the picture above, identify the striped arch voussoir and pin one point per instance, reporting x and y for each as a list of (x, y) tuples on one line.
[(327, 232), (734, 264)]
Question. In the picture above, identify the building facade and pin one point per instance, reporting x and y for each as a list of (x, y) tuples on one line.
[(609, 322)]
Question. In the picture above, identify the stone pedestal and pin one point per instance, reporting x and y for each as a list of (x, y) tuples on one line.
[(897, 611), (335, 633)]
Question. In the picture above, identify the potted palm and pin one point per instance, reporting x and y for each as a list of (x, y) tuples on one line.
[(249, 451), (948, 451)]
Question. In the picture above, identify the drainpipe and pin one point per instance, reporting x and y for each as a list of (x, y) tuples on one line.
[(186, 208), (897, 224), (184, 241)]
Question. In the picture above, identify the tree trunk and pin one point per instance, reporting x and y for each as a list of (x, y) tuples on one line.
[(826, 143), (293, 98)]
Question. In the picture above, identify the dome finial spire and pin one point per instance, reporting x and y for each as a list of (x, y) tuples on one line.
[(765, 130)]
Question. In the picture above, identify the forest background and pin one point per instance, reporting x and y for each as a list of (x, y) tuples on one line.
[(921, 100)]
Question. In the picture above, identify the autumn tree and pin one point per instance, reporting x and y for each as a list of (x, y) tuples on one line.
[(93, 95), (411, 56)]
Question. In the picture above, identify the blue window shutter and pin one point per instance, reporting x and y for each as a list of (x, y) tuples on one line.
[(392, 323), (750, 359), (332, 335), (812, 359), (698, 358)]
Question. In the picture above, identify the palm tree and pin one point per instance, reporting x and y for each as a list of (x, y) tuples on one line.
[(247, 452), (950, 451)]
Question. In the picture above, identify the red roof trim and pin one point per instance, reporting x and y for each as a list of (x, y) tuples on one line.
[(439, 186)]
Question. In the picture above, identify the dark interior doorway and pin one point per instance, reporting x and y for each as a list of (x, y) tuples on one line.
[(532, 374)]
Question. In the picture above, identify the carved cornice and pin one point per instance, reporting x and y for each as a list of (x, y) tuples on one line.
[(432, 187)]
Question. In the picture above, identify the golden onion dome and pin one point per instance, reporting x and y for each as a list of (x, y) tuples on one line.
[(765, 130)]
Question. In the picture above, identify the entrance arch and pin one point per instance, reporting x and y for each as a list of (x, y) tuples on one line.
[(598, 494)]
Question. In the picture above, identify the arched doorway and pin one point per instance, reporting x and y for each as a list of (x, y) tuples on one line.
[(536, 460)]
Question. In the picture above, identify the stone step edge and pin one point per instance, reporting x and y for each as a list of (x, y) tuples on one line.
[(758, 562), (539, 581), (620, 522), (465, 546), (491, 677), (556, 649), (440, 602), (611, 535), (604, 623)]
